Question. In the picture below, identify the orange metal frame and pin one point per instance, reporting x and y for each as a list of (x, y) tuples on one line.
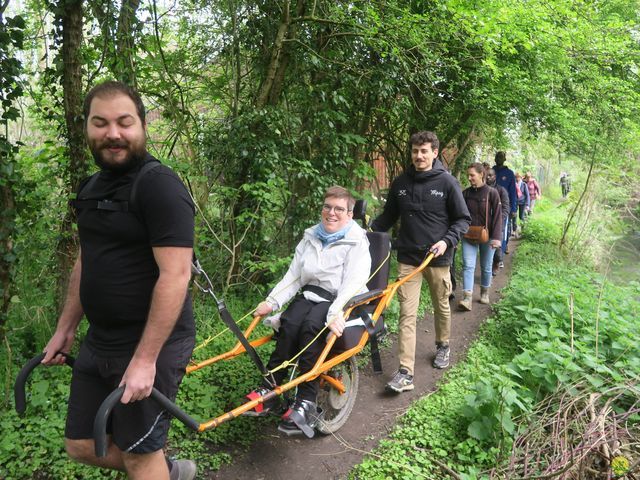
[(321, 366)]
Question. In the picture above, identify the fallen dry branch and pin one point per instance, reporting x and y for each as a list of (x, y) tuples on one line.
[(579, 434)]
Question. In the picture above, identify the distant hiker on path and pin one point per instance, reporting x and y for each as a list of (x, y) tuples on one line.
[(522, 191), (507, 179), (534, 190), (565, 184), (498, 256)]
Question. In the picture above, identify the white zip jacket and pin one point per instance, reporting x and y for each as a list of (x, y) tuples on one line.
[(342, 268)]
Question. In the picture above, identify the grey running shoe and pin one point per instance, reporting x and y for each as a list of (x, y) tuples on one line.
[(182, 470), (442, 356), (401, 381), (301, 417)]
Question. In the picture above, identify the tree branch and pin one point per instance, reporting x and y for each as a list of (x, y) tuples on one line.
[(321, 20), (276, 52)]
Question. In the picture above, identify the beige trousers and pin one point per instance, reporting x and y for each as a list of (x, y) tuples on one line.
[(439, 281)]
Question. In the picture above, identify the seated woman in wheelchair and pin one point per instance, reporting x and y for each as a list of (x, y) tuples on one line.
[(330, 265)]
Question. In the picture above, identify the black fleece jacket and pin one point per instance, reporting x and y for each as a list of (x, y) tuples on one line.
[(430, 208)]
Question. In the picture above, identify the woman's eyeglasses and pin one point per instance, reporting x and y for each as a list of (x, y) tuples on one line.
[(337, 210)]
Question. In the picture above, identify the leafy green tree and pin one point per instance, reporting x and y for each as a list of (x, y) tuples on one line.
[(11, 40)]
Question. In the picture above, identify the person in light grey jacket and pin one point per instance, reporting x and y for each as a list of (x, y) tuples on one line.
[(331, 264)]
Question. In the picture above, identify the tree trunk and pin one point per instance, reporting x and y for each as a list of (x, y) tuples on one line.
[(452, 132), (124, 42), (10, 70), (276, 55), (285, 56), (454, 162), (7, 216), (569, 220), (72, 24)]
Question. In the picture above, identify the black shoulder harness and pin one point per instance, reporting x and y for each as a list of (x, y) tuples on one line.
[(111, 205)]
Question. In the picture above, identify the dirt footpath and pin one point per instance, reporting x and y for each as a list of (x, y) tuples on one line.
[(276, 457)]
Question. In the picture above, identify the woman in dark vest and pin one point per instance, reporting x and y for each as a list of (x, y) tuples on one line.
[(485, 208)]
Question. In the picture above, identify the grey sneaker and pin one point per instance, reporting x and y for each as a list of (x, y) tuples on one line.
[(182, 470), (442, 355), (401, 381)]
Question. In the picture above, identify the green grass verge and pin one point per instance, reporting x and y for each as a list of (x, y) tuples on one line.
[(524, 354)]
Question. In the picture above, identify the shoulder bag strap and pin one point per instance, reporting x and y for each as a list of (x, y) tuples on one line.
[(486, 215)]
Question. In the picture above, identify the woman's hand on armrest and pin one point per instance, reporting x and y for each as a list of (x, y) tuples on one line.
[(264, 308), (336, 324)]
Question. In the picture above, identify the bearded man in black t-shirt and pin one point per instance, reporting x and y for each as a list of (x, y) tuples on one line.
[(131, 281)]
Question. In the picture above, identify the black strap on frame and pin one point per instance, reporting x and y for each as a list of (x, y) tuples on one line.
[(233, 326), (373, 330), (226, 317)]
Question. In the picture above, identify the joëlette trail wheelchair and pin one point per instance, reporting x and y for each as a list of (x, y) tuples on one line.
[(336, 366)]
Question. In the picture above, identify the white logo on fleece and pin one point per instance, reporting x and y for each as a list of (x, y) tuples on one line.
[(436, 193)]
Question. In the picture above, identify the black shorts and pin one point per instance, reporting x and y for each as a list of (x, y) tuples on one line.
[(138, 427)]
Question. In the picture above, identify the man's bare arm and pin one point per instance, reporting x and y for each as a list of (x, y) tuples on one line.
[(169, 293), (72, 312)]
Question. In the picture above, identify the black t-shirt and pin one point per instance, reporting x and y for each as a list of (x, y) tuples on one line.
[(119, 271)]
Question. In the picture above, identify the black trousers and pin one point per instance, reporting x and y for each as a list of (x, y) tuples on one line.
[(522, 213), (300, 323)]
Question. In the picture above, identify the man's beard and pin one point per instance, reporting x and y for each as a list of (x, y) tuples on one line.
[(135, 156)]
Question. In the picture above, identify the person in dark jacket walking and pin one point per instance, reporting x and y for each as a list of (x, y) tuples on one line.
[(485, 208), (507, 179), (498, 256), (433, 216)]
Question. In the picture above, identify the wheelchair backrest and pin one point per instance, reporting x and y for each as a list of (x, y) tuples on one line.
[(379, 248)]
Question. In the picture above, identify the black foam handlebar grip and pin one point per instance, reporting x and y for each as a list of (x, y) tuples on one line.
[(21, 380), (102, 417)]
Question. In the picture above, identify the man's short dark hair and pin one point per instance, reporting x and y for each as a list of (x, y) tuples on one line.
[(501, 157), (111, 88), (420, 138)]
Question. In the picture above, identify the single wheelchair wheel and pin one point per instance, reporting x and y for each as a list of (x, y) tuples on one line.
[(337, 407)]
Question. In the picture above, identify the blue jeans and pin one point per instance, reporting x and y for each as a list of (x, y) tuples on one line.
[(469, 255), (506, 234)]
